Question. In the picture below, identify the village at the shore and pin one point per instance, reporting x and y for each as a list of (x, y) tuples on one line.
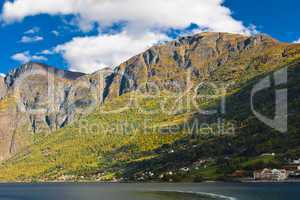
[(289, 172)]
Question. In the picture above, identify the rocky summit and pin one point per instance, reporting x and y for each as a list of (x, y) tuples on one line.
[(41, 109), (204, 55)]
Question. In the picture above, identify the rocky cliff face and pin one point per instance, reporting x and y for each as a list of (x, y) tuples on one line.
[(205, 56), (2, 87), (40, 99)]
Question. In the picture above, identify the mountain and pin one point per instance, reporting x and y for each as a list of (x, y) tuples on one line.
[(142, 120), (39, 99), (204, 55), (2, 87)]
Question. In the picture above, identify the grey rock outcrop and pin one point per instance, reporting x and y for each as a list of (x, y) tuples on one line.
[(167, 65), (41, 99), (3, 88)]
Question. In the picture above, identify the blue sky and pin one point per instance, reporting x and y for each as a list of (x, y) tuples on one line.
[(93, 36)]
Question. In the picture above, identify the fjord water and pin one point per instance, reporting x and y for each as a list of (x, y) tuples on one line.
[(207, 191)]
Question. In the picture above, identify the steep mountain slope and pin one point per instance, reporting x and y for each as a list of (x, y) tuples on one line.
[(145, 99), (38, 99), (135, 144), (202, 57), (2, 87)]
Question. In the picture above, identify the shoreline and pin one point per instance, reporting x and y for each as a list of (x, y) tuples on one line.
[(119, 182), (269, 181)]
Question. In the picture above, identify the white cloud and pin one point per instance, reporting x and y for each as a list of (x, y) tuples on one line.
[(26, 57), (41, 58), (32, 30), (22, 57), (88, 54), (46, 52), (29, 39), (145, 23), (297, 41), (139, 14), (54, 32), (2, 75)]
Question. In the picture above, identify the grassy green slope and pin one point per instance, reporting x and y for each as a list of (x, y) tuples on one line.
[(95, 144)]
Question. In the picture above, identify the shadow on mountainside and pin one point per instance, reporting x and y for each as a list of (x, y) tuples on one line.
[(252, 137)]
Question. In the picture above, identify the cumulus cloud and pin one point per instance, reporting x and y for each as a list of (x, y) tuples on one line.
[(21, 57), (89, 54), (25, 57), (30, 39), (145, 23), (139, 14)]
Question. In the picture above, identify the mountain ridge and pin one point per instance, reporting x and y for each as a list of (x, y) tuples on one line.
[(165, 65), (174, 67), (177, 41)]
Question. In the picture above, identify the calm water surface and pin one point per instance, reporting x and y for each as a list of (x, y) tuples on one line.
[(207, 191)]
